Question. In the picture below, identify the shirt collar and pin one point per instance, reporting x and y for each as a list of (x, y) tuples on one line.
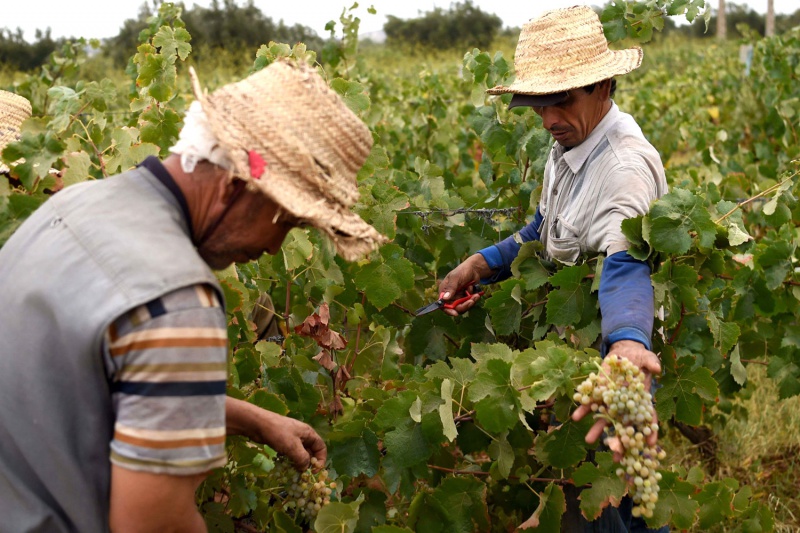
[(578, 155), (157, 169)]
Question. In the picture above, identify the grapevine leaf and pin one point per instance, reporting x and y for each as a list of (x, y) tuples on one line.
[(483, 353), (127, 150), (547, 516), (410, 443), (464, 499), (446, 411), (528, 267), (385, 281), (675, 289), (415, 412), (505, 307), (39, 153), (725, 334), (158, 74), (173, 42), (297, 250), (550, 373), (462, 372), (607, 488), (737, 235), (394, 411), (390, 529), (160, 126), (269, 401), (503, 453), (674, 504), (242, 499), (786, 372), (776, 261), (674, 217), (716, 502), (77, 167), (572, 302), (285, 524), (354, 451), (738, 370), (338, 517), (497, 406), (683, 392), (353, 93), (565, 445)]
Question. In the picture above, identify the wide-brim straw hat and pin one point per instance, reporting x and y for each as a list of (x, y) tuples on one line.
[(565, 49), (293, 138), (14, 110)]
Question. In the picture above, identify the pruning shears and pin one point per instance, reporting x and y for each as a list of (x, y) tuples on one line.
[(442, 304)]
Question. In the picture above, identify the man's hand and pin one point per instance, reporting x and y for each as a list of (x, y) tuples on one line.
[(648, 362), (296, 440), (464, 275)]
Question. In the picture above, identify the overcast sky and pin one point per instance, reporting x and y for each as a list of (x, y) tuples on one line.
[(103, 18)]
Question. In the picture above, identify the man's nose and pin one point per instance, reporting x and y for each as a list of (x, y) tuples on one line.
[(550, 116)]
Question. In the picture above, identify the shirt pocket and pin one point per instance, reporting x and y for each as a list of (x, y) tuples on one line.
[(566, 248)]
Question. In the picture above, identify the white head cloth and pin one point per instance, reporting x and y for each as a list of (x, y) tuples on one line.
[(197, 142)]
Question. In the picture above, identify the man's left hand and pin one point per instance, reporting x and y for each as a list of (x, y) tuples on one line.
[(648, 362)]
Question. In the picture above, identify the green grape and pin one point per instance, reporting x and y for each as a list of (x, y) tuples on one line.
[(302, 494), (620, 397)]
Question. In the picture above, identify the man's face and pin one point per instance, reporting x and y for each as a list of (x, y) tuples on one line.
[(253, 225), (571, 121)]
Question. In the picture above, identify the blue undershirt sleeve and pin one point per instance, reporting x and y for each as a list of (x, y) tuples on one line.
[(626, 300), (500, 256)]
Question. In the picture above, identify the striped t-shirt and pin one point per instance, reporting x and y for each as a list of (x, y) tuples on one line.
[(167, 365)]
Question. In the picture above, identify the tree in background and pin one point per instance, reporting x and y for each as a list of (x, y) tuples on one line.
[(18, 54), (463, 25)]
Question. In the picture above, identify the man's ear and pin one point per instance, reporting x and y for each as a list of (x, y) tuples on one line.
[(229, 189), (605, 87)]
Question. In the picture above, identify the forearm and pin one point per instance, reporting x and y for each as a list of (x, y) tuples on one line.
[(626, 300), (245, 419)]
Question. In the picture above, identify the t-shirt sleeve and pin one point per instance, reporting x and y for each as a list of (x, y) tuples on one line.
[(167, 366)]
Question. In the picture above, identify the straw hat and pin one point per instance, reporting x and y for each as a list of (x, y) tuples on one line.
[(565, 49), (14, 109), (290, 136)]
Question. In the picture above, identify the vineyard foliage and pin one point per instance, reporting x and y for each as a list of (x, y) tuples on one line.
[(441, 424)]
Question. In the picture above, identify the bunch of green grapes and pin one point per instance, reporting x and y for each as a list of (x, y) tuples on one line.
[(619, 396), (302, 494)]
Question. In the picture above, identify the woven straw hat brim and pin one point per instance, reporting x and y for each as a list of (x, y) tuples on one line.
[(14, 110), (313, 146), (565, 49)]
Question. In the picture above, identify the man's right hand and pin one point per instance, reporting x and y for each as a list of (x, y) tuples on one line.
[(464, 275)]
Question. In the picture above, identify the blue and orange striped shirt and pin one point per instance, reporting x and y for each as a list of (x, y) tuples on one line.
[(167, 365)]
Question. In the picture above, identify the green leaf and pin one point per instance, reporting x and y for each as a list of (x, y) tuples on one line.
[(337, 517), (356, 452), (675, 287), (565, 445), (716, 502), (675, 503), (503, 453), (683, 393), (158, 74), (269, 401), (446, 411), (528, 267), (160, 126), (547, 516), (242, 498), (550, 372), (725, 334), (77, 167), (738, 370), (386, 281), (127, 151), (40, 152), (409, 444), (173, 42), (572, 303), (674, 217), (606, 487), (505, 307), (354, 94), (464, 499), (497, 401)]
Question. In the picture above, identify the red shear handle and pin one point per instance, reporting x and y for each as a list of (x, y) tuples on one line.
[(454, 303)]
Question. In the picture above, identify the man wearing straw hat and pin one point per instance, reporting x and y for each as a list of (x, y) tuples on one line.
[(600, 171), (113, 341)]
